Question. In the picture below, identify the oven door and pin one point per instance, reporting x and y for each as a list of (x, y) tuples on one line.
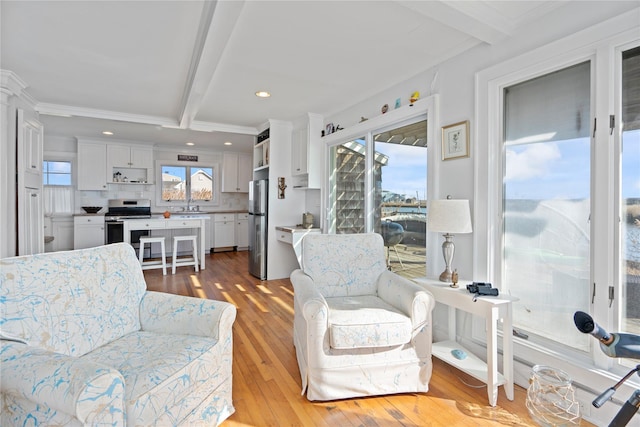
[(115, 233)]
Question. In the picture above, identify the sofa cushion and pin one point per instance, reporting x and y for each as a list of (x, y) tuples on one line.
[(166, 376), (71, 302), (366, 321), (344, 264)]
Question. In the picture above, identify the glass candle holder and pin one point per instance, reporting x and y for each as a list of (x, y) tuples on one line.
[(551, 398)]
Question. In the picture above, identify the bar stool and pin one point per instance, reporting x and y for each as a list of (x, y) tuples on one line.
[(193, 260), (146, 265)]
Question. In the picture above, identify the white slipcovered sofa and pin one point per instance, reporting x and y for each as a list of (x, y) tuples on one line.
[(359, 329), (84, 343)]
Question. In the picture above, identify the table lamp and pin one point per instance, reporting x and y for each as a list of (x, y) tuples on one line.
[(449, 217)]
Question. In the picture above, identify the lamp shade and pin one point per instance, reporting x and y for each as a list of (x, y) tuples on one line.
[(449, 216)]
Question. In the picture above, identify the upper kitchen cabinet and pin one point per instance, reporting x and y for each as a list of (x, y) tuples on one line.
[(306, 153), (92, 169), (236, 172), (129, 163)]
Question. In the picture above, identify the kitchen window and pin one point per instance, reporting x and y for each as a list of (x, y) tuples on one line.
[(56, 172), (188, 184), (57, 187)]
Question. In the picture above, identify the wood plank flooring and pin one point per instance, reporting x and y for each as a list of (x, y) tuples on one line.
[(266, 381)]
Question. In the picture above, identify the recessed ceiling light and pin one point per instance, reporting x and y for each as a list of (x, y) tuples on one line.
[(263, 94), (107, 132), (191, 143), (228, 143)]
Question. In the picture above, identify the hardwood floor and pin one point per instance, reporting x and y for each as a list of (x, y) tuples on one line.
[(266, 382)]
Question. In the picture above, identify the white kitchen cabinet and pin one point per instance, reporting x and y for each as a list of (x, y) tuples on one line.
[(31, 223), (224, 233), (133, 162), (92, 167), (242, 231), (31, 150), (306, 154), (127, 156), (236, 172), (30, 205), (62, 233), (88, 231)]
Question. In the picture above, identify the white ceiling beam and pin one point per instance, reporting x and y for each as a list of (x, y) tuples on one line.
[(476, 18), (70, 111), (216, 27)]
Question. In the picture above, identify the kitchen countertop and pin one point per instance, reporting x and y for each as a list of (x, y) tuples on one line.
[(201, 212), (295, 228)]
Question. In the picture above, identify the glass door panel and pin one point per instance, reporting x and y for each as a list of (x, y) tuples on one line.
[(400, 172), (347, 187), (630, 184)]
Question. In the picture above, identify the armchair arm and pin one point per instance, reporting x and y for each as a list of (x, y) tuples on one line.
[(177, 314), (406, 296), (313, 305), (88, 391)]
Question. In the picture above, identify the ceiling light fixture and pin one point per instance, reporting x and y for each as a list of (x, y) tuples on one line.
[(228, 143), (107, 132), (191, 143), (263, 94)]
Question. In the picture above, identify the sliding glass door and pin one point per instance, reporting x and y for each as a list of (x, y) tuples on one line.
[(378, 183)]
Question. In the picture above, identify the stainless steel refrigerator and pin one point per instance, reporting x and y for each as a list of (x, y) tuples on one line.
[(258, 205)]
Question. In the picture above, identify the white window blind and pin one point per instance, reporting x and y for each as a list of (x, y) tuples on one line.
[(553, 107)]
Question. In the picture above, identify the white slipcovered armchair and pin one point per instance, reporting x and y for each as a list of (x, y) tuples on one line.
[(359, 329)]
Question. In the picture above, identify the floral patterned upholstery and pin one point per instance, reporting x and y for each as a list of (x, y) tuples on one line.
[(84, 343), (359, 329)]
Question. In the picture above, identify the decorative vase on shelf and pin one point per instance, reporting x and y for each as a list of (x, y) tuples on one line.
[(551, 398)]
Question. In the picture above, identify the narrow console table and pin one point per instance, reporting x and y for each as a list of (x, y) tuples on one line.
[(192, 221), (493, 309)]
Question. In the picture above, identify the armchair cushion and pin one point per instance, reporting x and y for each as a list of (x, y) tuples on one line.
[(366, 321), (160, 371)]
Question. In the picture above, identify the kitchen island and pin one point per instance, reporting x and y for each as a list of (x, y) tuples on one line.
[(172, 223)]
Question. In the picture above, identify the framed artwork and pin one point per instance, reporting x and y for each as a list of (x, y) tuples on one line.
[(455, 141)]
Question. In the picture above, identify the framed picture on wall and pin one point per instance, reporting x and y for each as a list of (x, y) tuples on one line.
[(455, 141)]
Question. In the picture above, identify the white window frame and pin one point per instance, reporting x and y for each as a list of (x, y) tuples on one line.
[(598, 44), (215, 167), (424, 109)]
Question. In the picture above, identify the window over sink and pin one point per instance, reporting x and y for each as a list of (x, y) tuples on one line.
[(187, 184)]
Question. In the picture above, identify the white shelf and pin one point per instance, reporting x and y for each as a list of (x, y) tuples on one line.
[(472, 364), (492, 309)]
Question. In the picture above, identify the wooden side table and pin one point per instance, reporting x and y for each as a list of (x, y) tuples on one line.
[(493, 309)]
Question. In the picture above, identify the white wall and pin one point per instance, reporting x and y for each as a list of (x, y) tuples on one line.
[(454, 81)]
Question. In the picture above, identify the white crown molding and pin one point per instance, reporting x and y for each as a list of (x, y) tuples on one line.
[(12, 85), (9, 81)]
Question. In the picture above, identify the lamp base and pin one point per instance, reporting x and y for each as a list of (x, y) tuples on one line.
[(446, 276)]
